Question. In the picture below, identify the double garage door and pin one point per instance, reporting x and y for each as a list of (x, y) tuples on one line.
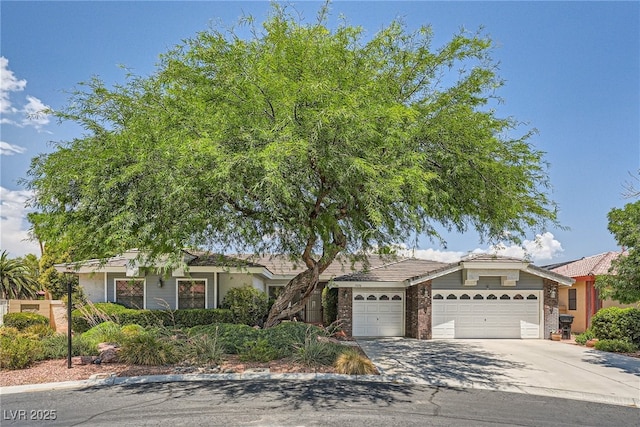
[(378, 313), (486, 314)]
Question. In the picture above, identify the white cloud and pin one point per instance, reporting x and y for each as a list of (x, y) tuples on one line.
[(13, 214), (8, 83), (34, 113), (33, 110), (543, 247), (7, 149)]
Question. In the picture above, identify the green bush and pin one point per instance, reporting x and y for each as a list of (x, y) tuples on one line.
[(616, 323), (18, 351), (286, 336), (131, 330), (108, 332), (248, 305), (22, 321), (584, 337), (149, 349), (85, 317), (205, 348), (329, 305), (201, 316), (616, 346), (258, 351), (317, 353), (40, 331), (233, 337)]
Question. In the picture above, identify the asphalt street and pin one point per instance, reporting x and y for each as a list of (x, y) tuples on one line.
[(301, 403)]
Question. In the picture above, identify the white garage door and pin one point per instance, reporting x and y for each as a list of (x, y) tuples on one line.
[(378, 313), (486, 314)]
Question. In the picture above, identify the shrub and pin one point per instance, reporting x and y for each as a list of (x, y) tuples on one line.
[(287, 336), (258, 351), (201, 316), (85, 317), (315, 353), (616, 323), (233, 337), (351, 362), (39, 331), (18, 351), (329, 305), (616, 346), (247, 305), (22, 321), (109, 332), (585, 336), (148, 349), (131, 330), (205, 347)]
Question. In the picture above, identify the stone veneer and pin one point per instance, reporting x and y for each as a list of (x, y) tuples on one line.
[(418, 311), (345, 309), (551, 311)]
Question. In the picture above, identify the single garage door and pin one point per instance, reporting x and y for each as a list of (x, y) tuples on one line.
[(378, 313), (486, 314)]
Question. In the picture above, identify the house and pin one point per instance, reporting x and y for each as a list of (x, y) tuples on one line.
[(583, 300), (484, 296)]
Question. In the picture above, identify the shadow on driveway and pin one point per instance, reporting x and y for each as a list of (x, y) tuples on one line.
[(438, 362), (627, 364)]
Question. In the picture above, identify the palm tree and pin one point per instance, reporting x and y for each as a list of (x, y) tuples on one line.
[(16, 279)]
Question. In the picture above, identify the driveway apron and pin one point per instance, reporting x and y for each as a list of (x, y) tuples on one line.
[(538, 367)]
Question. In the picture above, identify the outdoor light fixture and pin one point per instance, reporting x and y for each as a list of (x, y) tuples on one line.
[(552, 293), (160, 282)]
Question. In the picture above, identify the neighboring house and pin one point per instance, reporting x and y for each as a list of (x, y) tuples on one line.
[(583, 300), (484, 296)]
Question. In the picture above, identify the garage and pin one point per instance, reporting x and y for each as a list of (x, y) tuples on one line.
[(486, 314), (378, 313)]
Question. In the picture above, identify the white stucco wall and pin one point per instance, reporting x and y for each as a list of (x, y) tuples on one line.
[(93, 286)]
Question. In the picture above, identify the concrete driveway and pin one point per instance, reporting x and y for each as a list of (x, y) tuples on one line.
[(538, 367)]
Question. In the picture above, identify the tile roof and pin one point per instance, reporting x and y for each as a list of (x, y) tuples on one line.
[(587, 266), (404, 269)]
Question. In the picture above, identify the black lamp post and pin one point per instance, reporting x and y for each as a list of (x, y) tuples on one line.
[(69, 324)]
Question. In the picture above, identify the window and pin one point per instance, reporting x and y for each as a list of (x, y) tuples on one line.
[(371, 298), (130, 292), (192, 293), (437, 296), (452, 296), (573, 299), (532, 296), (505, 296), (384, 298), (359, 298), (518, 296), (492, 296), (478, 296), (396, 298), (465, 296)]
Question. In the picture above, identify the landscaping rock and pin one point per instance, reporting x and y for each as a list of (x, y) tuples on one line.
[(83, 360), (108, 353)]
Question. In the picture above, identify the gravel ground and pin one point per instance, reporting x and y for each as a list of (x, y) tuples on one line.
[(56, 370)]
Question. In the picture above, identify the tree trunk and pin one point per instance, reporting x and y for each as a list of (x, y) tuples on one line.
[(284, 307)]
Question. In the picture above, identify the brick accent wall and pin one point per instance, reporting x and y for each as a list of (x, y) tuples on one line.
[(418, 311), (551, 310), (345, 309)]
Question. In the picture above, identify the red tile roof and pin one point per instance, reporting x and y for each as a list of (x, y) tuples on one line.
[(588, 266)]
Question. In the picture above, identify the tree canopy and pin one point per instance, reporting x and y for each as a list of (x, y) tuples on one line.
[(17, 280), (302, 139), (623, 282)]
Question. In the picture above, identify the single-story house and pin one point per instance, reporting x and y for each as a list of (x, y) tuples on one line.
[(583, 300), (483, 296)]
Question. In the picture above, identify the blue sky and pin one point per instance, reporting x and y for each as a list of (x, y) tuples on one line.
[(572, 71)]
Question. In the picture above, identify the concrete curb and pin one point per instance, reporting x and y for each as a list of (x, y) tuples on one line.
[(112, 380)]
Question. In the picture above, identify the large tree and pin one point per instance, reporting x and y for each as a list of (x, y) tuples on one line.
[(623, 282), (302, 140)]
